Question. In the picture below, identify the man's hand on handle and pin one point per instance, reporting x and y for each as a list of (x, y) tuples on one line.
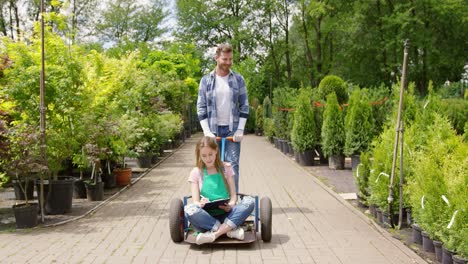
[(238, 135), (206, 128)]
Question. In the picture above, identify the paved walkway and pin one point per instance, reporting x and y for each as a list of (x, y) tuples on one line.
[(311, 224)]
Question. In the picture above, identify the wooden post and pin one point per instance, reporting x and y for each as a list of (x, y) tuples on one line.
[(399, 130)]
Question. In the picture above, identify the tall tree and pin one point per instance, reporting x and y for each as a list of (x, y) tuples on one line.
[(81, 13), (148, 20), (208, 23), (126, 20), (115, 20)]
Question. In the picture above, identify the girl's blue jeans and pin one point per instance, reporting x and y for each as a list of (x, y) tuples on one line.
[(202, 221), (231, 152)]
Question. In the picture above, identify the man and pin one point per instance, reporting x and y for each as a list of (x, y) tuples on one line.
[(223, 107)]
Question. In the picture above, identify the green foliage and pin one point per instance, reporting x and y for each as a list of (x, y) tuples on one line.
[(267, 112), (330, 84), (64, 92), (259, 118), (303, 134), (456, 110), (453, 90), (333, 133), (283, 100), (379, 179), (361, 177), (359, 125), (381, 107), (440, 170), (251, 121), (269, 128)]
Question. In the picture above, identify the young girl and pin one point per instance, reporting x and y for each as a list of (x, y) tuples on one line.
[(212, 180)]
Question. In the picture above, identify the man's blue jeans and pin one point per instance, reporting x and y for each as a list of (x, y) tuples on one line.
[(203, 221), (231, 152)]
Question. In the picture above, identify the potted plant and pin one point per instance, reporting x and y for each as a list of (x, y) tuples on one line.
[(259, 121), (361, 179), (283, 102), (303, 135), (95, 186), (358, 126), (333, 134), (23, 160), (333, 84)]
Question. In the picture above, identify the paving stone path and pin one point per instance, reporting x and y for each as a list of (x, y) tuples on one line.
[(311, 224)]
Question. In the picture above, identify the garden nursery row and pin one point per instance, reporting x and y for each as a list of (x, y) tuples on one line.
[(102, 108), (324, 122)]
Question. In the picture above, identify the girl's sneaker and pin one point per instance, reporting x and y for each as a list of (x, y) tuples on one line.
[(237, 233), (207, 237)]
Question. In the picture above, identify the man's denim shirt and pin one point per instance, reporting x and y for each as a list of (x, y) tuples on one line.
[(206, 102)]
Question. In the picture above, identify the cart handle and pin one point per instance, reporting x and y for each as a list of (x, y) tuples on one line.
[(227, 138), (223, 143)]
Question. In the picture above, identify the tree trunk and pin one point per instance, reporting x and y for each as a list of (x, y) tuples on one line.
[(318, 31), (309, 57), (11, 21), (3, 24), (18, 32)]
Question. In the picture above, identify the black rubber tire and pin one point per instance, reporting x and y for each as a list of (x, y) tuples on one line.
[(176, 220), (265, 219)]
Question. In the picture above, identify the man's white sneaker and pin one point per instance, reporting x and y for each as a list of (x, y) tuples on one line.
[(237, 233), (207, 237)]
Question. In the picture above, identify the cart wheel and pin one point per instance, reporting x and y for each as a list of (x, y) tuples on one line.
[(265, 219), (176, 220)]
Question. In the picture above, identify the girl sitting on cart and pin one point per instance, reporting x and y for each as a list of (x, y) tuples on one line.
[(213, 180)]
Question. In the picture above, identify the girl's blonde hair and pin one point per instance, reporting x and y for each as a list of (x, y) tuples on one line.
[(211, 143)]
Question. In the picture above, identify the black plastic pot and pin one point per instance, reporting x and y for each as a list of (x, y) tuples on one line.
[(290, 149), (144, 160), (379, 215), (417, 236), (355, 161), (438, 250), (79, 189), (109, 180), (447, 256), (409, 219), (428, 244), (457, 259), (95, 192), (59, 200), (336, 162), (386, 218), (26, 215), (372, 210), (306, 158)]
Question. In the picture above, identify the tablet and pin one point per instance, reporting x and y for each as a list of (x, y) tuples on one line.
[(215, 204)]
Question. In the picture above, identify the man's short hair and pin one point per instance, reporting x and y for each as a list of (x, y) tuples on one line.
[(224, 47)]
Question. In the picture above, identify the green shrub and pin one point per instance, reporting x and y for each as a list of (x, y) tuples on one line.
[(267, 113), (440, 170), (379, 178), (381, 106), (358, 124), (361, 177), (303, 134), (251, 123), (330, 84), (269, 128), (456, 110), (283, 99), (333, 133), (259, 118)]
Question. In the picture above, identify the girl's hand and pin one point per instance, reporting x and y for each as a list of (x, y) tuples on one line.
[(202, 202), (228, 207)]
